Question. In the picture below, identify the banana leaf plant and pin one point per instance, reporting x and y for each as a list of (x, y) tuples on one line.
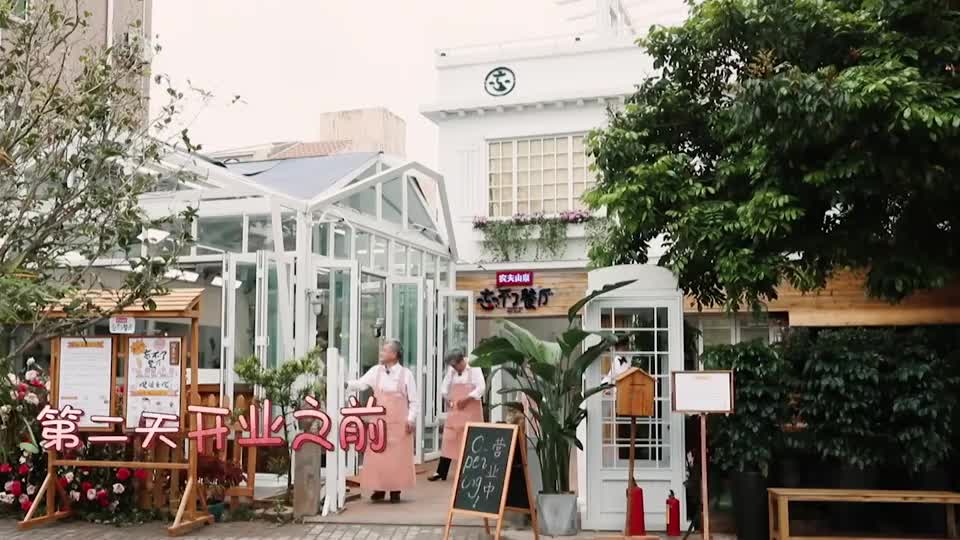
[(549, 375)]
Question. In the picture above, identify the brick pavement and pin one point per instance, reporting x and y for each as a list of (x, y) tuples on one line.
[(244, 530)]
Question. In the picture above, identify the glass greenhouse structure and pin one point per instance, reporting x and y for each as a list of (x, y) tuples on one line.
[(339, 251)]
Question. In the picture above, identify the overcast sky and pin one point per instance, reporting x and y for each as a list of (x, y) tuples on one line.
[(293, 59)]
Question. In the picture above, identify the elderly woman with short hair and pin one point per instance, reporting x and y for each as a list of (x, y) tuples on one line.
[(395, 389), (462, 388)]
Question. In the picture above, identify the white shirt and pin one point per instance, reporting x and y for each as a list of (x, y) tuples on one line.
[(390, 382), (470, 375)]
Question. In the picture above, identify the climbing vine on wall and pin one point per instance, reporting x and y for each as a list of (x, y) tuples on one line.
[(509, 239)]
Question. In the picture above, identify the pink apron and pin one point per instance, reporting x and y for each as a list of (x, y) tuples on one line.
[(392, 469), (457, 419)]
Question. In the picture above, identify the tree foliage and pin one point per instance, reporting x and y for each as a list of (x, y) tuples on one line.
[(76, 155), (784, 139)]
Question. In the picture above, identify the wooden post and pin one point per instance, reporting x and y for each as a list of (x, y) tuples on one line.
[(703, 477), (631, 481)]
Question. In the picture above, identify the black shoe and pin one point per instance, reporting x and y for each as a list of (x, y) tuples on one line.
[(377, 496), (434, 477), (394, 496)]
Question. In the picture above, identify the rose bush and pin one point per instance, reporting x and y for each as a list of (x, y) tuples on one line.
[(102, 495)]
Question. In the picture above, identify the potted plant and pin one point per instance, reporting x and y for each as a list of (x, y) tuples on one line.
[(744, 443), (216, 477), (548, 375)]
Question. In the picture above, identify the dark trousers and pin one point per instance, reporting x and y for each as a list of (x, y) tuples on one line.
[(443, 467)]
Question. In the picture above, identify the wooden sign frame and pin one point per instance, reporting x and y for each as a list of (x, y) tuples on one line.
[(673, 391), (517, 437), (704, 489), (56, 353), (183, 379), (188, 516)]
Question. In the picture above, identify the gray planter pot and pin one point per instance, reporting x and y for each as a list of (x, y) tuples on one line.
[(557, 514)]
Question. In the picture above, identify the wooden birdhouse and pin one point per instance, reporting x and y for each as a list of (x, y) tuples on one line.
[(635, 393)]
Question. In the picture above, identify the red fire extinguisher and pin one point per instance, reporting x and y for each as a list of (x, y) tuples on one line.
[(636, 525), (673, 515)]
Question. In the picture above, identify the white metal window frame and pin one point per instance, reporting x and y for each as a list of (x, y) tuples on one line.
[(515, 173), (735, 323)]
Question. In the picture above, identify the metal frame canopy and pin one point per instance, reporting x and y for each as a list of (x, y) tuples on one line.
[(286, 207)]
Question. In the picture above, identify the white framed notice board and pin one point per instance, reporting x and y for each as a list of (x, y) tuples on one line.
[(154, 378), (707, 391), (85, 378)]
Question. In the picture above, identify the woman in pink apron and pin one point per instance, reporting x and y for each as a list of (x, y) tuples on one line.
[(395, 389), (463, 389)]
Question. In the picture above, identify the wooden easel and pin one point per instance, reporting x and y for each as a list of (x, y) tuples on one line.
[(517, 437), (179, 304)]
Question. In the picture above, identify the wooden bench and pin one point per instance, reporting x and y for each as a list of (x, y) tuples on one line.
[(779, 500)]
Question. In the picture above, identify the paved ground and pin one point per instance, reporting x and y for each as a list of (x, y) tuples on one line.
[(257, 529)]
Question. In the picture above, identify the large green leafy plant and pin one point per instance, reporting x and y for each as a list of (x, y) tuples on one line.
[(747, 440), (840, 395), (783, 139), (549, 375)]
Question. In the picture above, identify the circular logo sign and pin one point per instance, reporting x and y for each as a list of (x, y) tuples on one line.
[(499, 82)]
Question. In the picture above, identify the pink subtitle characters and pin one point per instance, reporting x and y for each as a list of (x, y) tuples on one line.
[(219, 431), (313, 413), (107, 439), (355, 432), (157, 429), (254, 426), (60, 428)]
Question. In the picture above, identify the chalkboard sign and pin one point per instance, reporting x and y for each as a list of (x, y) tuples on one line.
[(491, 475), (483, 468)]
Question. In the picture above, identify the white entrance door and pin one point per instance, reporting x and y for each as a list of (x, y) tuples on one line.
[(406, 322), (655, 343)]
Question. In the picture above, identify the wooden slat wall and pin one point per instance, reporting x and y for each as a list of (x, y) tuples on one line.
[(844, 302), (568, 287)]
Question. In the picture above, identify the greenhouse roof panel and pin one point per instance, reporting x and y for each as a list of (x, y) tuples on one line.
[(302, 178)]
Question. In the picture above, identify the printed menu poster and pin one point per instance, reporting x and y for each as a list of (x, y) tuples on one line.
[(153, 378), (85, 377)]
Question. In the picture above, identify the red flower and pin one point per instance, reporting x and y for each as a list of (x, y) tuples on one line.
[(37, 383), (139, 474), (85, 487), (16, 488), (103, 498), (5, 468), (25, 505), (24, 469), (63, 482), (123, 474), (22, 388)]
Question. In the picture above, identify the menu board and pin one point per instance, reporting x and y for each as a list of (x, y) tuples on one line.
[(85, 377), (703, 391), (154, 376), (484, 468)]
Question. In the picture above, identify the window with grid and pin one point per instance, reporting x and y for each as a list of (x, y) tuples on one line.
[(647, 346), (537, 175)]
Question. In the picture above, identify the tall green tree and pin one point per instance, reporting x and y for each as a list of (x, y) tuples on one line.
[(785, 139), (76, 155)]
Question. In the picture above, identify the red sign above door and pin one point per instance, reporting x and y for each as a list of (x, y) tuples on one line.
[(513, 279)]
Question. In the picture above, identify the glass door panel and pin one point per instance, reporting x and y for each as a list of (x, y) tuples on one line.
[(405, 307)]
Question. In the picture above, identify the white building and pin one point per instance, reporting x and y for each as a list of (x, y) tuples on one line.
[(512, 119)]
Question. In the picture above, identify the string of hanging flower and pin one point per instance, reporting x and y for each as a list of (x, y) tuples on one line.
[(508, 239)]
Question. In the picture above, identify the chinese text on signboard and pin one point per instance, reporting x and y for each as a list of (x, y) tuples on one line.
[(514, 300), (514, 279)]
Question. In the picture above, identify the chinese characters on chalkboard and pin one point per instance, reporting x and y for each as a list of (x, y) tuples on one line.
[(514, 300)]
